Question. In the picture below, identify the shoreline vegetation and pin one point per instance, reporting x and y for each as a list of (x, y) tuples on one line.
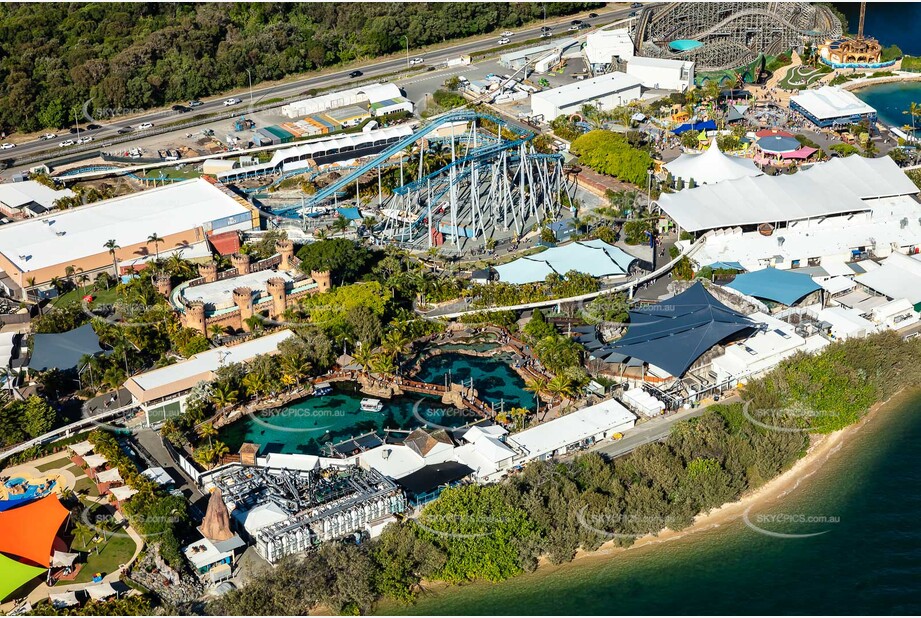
[(709, 471)]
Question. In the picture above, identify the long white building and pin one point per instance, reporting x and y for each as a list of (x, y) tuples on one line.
[(606, 92), (662, 73)]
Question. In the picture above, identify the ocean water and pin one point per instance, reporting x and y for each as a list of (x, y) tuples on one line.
[(864, 559), (891, 100), (889, 22)]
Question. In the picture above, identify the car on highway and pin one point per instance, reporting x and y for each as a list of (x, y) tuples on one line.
[(584, 26), (195, 103), (48, 136), (67, 142), (145, 125), (92, 127), (592, 15), (232, 101), (416, 61), (124, 130), (504, 41), (355, 74), (180, 108), (545, 28), (546, 35), (574, 27), (7, 146), (576, 22), (636, 5), (85, 140), (508, 33)]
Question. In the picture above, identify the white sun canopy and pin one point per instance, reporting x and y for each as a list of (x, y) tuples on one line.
[(711, 166), (837, 187)]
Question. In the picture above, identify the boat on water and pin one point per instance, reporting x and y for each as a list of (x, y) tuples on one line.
[(322, 388), (371, 405)]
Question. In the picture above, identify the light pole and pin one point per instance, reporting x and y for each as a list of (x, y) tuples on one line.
[(649, 190), (407, 48), (250, 76), (77, 123)]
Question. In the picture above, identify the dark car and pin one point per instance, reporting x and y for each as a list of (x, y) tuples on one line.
[(636, 5), (592, 15), (92, 127), (545, 28), (180, 108), (576, 22), (356, 74), (72, 130), (124, 130), (584, 26)]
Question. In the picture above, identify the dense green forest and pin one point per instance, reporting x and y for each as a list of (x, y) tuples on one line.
[(124, 56)]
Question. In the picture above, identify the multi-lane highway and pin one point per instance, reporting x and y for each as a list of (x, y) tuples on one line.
[(109, 126)]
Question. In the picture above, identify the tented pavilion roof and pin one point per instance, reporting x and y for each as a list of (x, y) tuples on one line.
[(63, 351), (782, 286), (711, 166), (826, 189), (14, 574), (594, 257), (27, 532), (676, 332)]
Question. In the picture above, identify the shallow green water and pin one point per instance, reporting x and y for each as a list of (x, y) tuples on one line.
[(493, 377), (868, 562)]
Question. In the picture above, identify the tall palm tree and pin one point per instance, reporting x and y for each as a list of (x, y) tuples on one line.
[(914, 109), (538, 386), (364, 356), (294, 368), (382, 363), (69, 273), (156, 240), (219, 450), (83, 279), (206, 430), (216, 330), (112, 246), (394, 342), (560, 386), (224, 395)]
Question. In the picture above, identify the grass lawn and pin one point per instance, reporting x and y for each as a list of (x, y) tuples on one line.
[(185, 172), (101, 295), (114, 551), (57, 464), (86, 484)]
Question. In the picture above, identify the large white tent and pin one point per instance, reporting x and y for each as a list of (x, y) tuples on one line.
[(594, 257), (711, 166), (837, 187)]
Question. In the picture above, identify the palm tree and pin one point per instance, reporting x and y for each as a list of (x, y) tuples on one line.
[(254, 322), (224, 395), (204, 455), (69, 273), (156, 240), (219, 450), (560, 386), (382, 363), (394, 342), (216, 330), (914, 109), (255, 384), (294, 368), (206, 430), (538, 386), (112, 246), (364, 356), (83, 279)]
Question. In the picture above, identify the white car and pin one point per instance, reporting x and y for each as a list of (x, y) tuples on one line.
[(47, 136), (507, 33), (85, 140), (229, 102), (503, 41), (67, 142), (416, 61), (7, 146), (145, 125), (574, 27)]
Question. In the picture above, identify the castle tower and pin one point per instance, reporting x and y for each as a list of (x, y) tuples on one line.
[(163, 284), (240, 261), (276, 289), (208, 270), (195, 317), (323, 279), (285, 248), (243, 299)]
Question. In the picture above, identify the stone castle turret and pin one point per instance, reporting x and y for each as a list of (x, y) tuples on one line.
[(323, 279), (243, 299), (163, 284), (276, 289), (240, 261), (195, 316), (285, 248), (208, 271)]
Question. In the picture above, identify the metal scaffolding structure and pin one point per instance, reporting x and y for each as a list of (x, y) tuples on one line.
[(460, 183), (732, 34)]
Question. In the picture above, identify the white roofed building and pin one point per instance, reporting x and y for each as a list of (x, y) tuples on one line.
[(830, 106), (29, 198), (181, 214), (662, 73), (899, 276), (602, 47), (711, 166), (161, 393), (368, 94), (606, 92)]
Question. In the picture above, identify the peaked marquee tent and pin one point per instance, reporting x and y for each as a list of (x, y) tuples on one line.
[(782, 286), (676, 332), (711, 166)]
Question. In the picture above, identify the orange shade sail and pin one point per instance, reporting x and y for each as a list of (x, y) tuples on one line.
[(27, 532)]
